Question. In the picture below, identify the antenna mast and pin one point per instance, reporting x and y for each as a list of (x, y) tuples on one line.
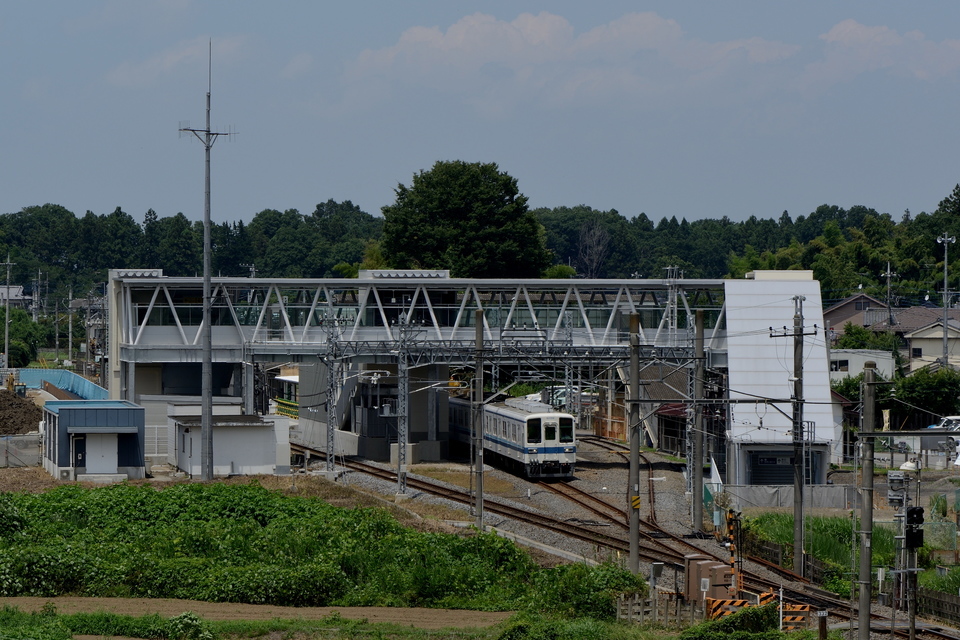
[(207, 137)]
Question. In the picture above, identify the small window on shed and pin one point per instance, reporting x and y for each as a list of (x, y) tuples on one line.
[(916, 352)]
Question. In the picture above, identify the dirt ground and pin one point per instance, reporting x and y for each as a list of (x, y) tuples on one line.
[(17, 415), (430, 619)]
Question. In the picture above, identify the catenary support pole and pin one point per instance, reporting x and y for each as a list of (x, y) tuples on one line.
[(478, 415), (633, 491), (698, 374), (866, 501)]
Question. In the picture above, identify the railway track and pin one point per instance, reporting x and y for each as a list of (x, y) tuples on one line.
[(656, 545), (618, 448)]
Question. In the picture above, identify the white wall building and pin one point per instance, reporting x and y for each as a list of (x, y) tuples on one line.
[(848, 363), (760, 356)]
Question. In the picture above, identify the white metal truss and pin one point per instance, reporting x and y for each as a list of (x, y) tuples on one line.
[(270, 314)]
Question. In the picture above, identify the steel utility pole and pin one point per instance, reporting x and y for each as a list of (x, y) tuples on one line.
[(868, 418), (207, 137), (945, 240), (478, 415), (799, 463), (73, 364), (633, 491), (332, 326), (889, 274), (699, 367), (6, 323)]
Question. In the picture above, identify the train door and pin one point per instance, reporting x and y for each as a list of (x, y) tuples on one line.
[(550, 432)]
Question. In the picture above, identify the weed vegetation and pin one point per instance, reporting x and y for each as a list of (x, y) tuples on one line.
[(828, 539), (244, 543)]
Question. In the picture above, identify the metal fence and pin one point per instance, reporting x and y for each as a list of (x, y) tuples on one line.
[(939, 605), (828, 496), (20, 451)]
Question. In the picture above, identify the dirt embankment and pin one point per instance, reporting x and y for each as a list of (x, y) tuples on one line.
[(17, 415)]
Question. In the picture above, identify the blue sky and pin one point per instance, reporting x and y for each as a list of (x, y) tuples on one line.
[(686, 109)]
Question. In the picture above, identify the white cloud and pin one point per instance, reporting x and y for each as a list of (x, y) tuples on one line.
[(853, 48), (190, 53), (494, 64)]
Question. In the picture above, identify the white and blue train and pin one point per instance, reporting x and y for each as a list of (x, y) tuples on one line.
[(527, 436)]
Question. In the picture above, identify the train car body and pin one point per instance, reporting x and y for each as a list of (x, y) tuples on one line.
[(527, 436)]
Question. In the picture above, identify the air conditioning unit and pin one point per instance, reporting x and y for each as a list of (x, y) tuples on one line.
[(66, 475)]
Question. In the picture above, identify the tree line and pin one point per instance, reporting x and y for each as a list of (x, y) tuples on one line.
[(472, 218)]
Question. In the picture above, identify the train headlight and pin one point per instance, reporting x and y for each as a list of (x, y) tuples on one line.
[(531, 450), (568, 450)]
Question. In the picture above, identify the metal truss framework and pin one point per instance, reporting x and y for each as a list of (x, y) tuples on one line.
[(567, 326), (159, 319)]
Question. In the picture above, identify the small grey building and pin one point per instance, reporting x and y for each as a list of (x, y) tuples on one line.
[(242, 445), (94, 440)]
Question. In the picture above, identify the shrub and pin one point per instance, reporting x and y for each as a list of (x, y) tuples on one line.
[(11, 522), (576, 590), (750, 623)]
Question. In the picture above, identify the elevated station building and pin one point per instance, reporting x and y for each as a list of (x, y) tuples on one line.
[(376, 354)]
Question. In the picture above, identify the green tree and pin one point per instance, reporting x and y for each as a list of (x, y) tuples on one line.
[(935, 392), (25, 332), (560, 272), (180, 249), (120, 237), (469, 218)]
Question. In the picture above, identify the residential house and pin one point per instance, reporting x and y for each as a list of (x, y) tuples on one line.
[(855, 310), (925, 345)]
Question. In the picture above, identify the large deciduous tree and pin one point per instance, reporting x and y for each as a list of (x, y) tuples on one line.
[(469, 218)]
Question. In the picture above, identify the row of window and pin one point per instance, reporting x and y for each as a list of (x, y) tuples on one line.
[(844, 365), (538, 430)]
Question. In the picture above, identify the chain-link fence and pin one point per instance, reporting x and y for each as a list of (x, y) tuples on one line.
[(20, 451)]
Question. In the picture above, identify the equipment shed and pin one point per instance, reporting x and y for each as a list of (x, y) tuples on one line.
[(243, 445), (93, 440)]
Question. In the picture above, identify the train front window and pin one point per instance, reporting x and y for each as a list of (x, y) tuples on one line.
[(566, 429), (550, 431), (533, 430)]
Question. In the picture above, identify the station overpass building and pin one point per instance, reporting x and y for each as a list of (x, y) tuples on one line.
[(359, 341)]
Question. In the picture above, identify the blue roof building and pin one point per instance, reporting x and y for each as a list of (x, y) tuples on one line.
[(93, 440)]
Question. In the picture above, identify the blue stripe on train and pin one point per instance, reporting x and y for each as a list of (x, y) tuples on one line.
[(521, 448)]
